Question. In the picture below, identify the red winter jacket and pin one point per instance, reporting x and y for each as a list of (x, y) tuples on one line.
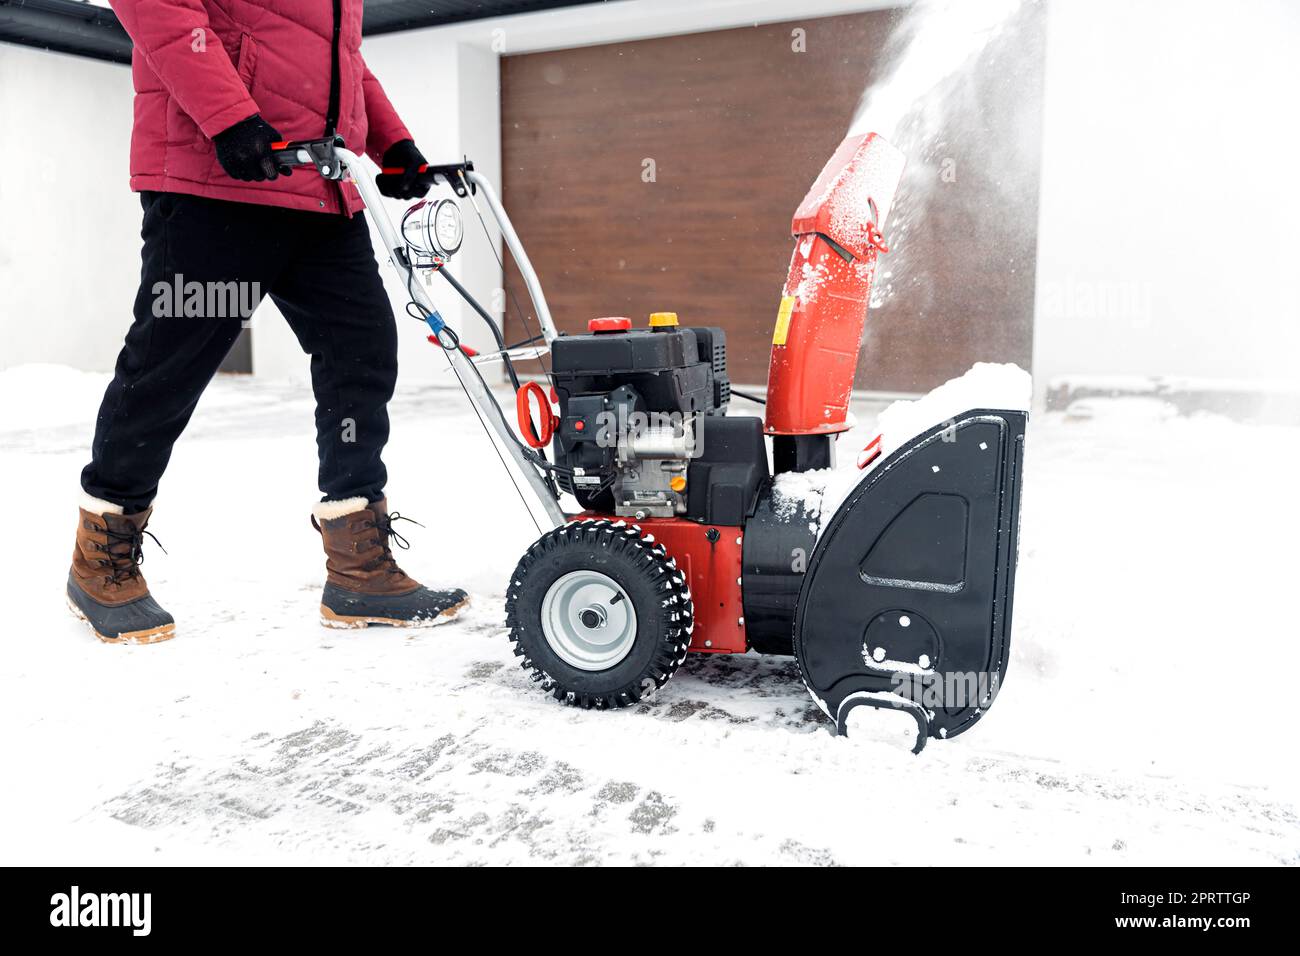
[(200, 66)]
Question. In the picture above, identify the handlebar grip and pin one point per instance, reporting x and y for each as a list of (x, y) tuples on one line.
[(285, 153), (316, 153), (431, 174)]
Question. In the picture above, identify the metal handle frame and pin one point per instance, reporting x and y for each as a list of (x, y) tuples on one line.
[(517, 251), (544, 504)]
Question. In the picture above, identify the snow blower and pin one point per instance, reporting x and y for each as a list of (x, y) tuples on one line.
[(900, 599)]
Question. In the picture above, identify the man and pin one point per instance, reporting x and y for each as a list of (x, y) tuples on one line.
[(216, 84)]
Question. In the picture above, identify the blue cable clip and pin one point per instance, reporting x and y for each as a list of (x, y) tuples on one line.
[(435, 322)]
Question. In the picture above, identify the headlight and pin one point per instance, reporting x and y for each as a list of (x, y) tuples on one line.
[(447, 226), (433, 228)]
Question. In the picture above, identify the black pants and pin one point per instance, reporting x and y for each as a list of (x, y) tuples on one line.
[(319, 269)]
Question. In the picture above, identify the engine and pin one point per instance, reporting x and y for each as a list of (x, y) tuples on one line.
[(643, 430)]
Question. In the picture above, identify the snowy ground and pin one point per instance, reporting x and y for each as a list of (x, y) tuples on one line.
[(1144, 718)]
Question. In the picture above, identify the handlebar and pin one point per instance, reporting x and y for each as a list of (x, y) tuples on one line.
[(450, 173), (320, 153)]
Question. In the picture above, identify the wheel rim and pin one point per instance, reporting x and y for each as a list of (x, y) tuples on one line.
[(588, 620)]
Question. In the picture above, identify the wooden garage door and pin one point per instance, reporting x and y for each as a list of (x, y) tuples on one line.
[(737, 123)]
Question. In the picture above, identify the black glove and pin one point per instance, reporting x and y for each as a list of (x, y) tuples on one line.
[(244, 150), (407, 184)]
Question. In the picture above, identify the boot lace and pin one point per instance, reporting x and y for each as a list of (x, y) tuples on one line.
[(386, 540), (124, 562)]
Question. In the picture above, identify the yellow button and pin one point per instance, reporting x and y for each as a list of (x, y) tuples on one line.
[(677, 483), (662, 320)]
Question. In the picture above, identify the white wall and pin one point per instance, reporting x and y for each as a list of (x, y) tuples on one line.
[(1168, 240), (612, 22), (69, 227)]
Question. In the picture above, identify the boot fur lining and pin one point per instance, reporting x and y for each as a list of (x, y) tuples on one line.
[(329, 510), (98, 506)]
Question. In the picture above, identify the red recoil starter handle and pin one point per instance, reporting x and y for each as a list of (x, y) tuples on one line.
[(535, 437)]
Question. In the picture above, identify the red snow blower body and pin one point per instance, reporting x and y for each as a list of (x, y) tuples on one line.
[(909, 586), (900, 599)]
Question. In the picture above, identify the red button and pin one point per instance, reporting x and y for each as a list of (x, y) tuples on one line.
[(610, 323), (579, 425)]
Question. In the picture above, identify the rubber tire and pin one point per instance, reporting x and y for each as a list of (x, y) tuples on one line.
[(652, 582)]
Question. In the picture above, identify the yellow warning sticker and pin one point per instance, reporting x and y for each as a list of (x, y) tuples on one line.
[(782, 329)]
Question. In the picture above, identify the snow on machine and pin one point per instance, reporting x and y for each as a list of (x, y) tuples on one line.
[(897, 595)]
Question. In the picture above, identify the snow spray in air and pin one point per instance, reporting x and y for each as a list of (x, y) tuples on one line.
[(919, 104)]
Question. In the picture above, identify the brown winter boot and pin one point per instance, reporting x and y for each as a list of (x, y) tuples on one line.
[(363, 584), (105, 586)]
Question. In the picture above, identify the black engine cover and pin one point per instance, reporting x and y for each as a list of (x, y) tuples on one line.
[(673, 370), (676, 371)]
